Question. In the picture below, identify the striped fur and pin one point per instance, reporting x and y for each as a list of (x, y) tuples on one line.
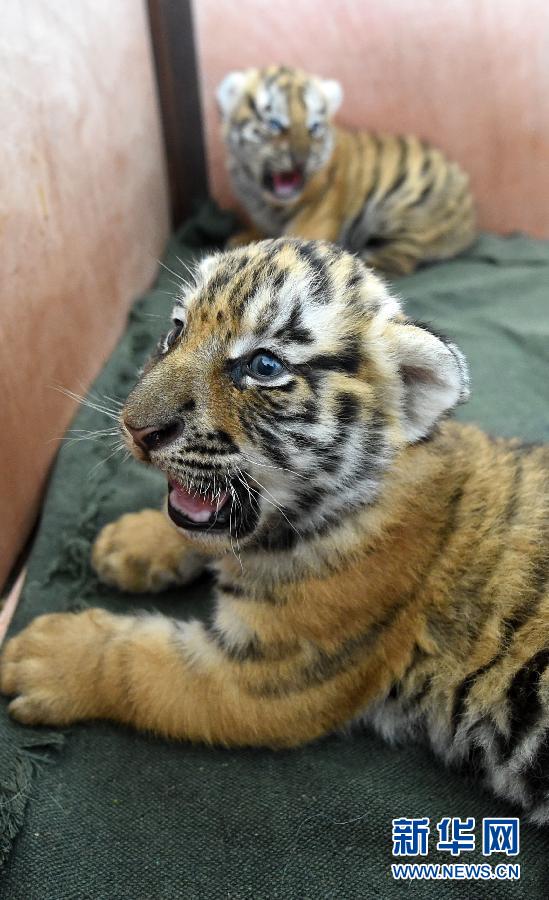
[(382, 563), (396, 201)]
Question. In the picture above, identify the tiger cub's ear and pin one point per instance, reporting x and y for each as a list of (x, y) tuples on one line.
[(333, 93), (434, 374), (230, 91)]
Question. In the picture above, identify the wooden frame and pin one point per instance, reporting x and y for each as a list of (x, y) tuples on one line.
[(173, 42)]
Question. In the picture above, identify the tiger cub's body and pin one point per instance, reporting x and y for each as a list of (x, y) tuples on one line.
[(396, 201), (373, 563)]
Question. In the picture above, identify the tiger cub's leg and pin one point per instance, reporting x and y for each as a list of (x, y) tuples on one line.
[(144, 552), (179, 679), (500, 716), (394, 257)]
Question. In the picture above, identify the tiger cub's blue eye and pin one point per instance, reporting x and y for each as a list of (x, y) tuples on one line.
[(275, 126), (264, 365), (316, 129)]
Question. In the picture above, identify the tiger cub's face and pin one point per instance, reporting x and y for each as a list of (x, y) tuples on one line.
[(277, 123), (277, 401)]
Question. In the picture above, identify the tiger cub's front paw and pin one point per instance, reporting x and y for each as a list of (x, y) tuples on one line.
[(142, 552), (51, 666)]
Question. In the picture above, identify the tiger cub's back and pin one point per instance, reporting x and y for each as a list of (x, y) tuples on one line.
[(405, 201)]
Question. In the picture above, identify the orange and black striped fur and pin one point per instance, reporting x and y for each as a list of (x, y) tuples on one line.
[(395, 201), (374, 561)]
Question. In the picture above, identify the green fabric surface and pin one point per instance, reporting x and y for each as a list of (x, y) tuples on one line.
[(107, 813)]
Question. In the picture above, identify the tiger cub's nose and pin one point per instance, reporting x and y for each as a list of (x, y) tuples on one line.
[(156, 436)]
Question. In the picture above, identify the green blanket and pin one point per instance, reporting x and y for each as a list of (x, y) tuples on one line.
[(106, 813)]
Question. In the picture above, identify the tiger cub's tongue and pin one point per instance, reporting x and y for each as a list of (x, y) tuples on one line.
[(286, 182), (198, 509)]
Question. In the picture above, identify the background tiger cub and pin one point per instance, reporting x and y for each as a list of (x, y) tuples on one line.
[(395, 201), (373, 562)]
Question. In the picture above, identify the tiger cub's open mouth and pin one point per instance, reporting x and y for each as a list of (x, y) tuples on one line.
[(232, 510), (284, 185)]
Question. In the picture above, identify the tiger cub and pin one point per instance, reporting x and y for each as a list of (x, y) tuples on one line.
[(395, 201), (374, 562)]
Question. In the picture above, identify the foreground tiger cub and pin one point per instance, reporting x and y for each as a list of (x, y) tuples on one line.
[(394, 200), (373, 564)]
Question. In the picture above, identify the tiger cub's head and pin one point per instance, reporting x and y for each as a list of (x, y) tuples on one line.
[(288, 382), (277, 123)]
